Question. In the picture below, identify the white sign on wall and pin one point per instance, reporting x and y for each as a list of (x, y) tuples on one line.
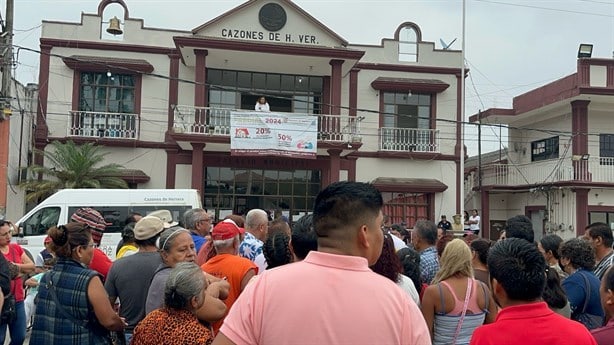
[(273, 134)]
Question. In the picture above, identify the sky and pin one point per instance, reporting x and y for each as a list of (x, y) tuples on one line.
[(511, 46)]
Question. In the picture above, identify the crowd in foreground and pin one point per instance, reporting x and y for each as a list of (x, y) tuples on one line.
[(342, 275)]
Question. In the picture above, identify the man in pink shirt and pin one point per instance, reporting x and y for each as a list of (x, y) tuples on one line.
[(517, 277), (332, 296)]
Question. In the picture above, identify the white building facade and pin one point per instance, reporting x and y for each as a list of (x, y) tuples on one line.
[(161, 102), (559, 165)]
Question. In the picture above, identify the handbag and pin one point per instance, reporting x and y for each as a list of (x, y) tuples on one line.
[(590, 321), (9, 311)]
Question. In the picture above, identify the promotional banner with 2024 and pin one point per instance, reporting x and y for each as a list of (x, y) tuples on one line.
[(273, 134)]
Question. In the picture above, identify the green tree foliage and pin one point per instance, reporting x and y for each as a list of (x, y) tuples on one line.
[(72, 166)]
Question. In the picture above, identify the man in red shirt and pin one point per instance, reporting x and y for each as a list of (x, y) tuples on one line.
[(96, 223), (605, 335), (517, 276)]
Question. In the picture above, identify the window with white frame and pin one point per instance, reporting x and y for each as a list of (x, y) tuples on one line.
[(107, 106), (606, 149), (408, 45), (545, 149)]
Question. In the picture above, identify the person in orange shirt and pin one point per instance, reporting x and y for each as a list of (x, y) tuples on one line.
[(227, 264)]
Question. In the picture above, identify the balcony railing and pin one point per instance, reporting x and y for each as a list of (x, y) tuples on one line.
[(103, 125), (409, 139), (216, 121), (600, 169)]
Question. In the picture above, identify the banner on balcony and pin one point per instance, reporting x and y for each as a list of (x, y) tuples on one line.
[(273, 134)]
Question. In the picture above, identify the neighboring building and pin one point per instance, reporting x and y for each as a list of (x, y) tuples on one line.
[(16, 142), (161, 101), (559, 169)]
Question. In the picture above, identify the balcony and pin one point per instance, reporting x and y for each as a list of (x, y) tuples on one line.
[(216, 122), (103, 125), (409, 140), (600, 170)]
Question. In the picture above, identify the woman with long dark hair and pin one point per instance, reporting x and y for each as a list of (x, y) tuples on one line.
[(389, 266)]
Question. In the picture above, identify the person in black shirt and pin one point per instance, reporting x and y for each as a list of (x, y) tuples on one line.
[(444, 224)]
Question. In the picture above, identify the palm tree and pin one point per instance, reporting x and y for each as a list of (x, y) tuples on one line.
[(72, 166)]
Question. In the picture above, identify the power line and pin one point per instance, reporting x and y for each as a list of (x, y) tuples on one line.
[(253, 92), (547, 8)]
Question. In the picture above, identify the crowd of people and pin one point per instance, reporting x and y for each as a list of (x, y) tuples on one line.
[(343, 274)]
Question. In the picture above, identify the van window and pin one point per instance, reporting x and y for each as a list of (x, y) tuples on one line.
[(117, 215), (41, 221)]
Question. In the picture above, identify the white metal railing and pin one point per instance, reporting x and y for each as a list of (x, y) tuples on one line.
[(526, 174), (216, 121), (602, 169), (103, 125), (409, 139), (593, 170)]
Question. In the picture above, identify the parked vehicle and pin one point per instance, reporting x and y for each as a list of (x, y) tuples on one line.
[(114, 204)]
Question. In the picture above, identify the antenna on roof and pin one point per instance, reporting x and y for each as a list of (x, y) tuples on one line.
[(446, 46)]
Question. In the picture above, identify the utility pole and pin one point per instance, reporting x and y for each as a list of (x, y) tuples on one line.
[(5, 106)]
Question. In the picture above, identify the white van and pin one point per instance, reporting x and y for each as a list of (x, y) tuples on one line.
[(114, 204)]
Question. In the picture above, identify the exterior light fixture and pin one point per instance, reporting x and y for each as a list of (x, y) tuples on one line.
[(585, 50)]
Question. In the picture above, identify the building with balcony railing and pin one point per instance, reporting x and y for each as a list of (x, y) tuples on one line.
[(166, 102), (558, 168)]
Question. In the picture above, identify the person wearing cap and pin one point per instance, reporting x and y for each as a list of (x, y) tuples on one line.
[(227, 264), (130, 276), (95, 222), (331, 297)]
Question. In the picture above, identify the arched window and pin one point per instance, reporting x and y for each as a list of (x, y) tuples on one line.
[(408, 45)]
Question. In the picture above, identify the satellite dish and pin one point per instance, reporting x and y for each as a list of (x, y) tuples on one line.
[(446, 46)]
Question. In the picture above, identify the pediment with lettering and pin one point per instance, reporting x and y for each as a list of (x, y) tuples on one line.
[(270, 21)]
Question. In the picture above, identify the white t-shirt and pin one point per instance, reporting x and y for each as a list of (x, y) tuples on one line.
[(476, 226), (262, 107), (408, 286)]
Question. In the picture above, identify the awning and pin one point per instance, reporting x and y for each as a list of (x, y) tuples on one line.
[(104, 64), (133, 176), (409, 185), (409, 84)]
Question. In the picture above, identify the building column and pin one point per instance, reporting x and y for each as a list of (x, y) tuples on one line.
[(335, 87), (197, 166), (579, 142), (200, 89), (335, 165), (41, 131), (325, 95), (485, 214), (353, 97), (171, 168), (581, 209), (173, 88)]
